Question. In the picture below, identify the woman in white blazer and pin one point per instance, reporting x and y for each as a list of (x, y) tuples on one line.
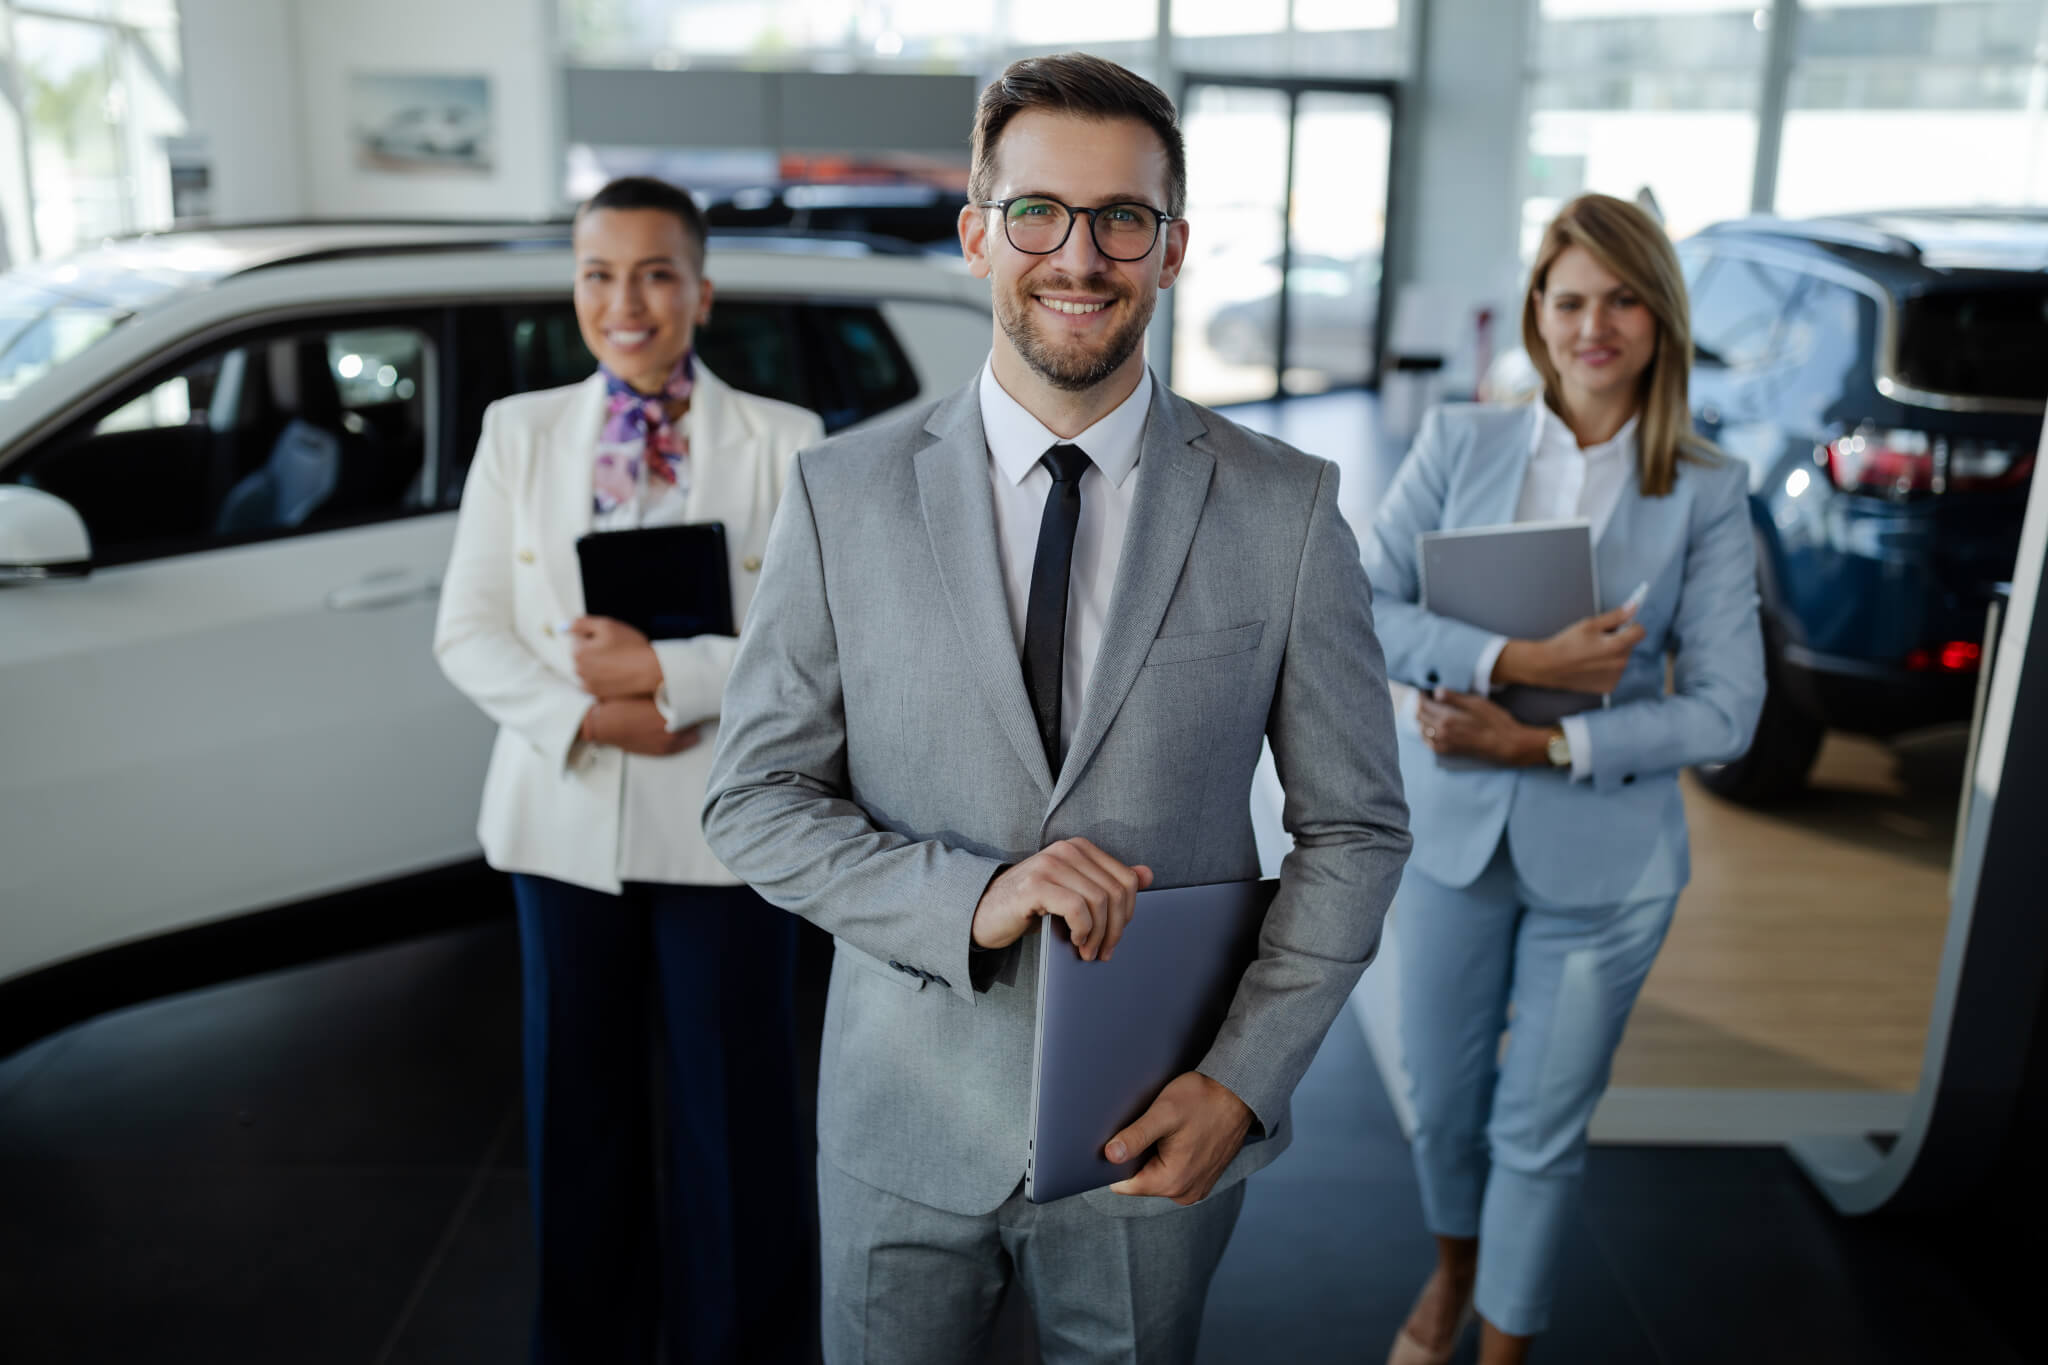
[(629, 926), (1545, 874)]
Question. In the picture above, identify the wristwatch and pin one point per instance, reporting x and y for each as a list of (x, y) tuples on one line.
[(1559, 749)]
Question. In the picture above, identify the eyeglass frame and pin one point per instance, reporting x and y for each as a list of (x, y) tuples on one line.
[(1073, 212)]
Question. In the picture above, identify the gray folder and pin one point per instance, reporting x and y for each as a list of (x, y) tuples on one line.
[(1526, 582), (1111, 1034)]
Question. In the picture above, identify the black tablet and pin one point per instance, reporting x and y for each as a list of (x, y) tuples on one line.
[(667, 582)]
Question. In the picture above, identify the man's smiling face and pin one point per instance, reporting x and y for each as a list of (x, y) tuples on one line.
[(1075, 317)]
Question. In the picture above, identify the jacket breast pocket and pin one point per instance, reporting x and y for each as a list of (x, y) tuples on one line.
[(1209, 644)]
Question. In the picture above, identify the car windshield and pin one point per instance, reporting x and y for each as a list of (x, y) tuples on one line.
[(1976, 343), (51, 312)]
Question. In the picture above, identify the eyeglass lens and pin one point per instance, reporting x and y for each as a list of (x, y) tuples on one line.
[(1123, 232)]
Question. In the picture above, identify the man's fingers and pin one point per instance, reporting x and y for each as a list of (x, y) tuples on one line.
[(1143, 1131), (1154, 1177)]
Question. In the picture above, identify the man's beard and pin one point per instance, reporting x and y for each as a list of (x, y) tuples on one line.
[(1072, 367)]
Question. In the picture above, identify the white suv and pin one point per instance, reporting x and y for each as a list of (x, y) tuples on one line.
[(230, 704)]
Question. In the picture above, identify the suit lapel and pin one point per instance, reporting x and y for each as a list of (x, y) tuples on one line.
[(960, 517), (721, 470), (1500, 494), (1173, 483), (564, 484)]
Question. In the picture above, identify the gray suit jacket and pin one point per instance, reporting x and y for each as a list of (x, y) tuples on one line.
[(878, 763)]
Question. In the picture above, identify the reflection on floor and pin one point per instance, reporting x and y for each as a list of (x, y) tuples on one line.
[(1805, 951), (324, 1165)]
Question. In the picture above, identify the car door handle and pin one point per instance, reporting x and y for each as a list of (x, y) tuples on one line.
[(385, 588)]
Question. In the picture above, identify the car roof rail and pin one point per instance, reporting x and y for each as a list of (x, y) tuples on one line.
[(789, 240), (1833, 231)]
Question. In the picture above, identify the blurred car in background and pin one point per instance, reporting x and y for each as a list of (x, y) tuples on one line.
[(1332, 317), (231, 705), (1884, 377), (923, 215), (430, 133)]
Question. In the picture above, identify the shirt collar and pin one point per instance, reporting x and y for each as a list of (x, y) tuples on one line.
[(1554, 437), (1017, 440)]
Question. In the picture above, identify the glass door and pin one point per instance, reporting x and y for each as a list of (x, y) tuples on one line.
[(1287, 210)]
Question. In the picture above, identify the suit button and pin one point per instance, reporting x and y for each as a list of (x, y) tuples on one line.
[(526, 556), (752, 563), (1627, 778), (1432, 677), (549, 628)]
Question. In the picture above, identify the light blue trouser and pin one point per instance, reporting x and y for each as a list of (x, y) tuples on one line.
[(1500, 1134)]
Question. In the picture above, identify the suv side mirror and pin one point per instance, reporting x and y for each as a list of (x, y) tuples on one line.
[(41, 536)]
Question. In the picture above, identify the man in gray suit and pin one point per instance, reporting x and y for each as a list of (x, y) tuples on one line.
[(1177, 589)]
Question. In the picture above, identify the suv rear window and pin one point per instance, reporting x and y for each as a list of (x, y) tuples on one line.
[(1980, 343)]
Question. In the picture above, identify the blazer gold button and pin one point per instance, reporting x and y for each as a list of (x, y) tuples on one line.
[(752, 563), (549, 628), (526, 556)]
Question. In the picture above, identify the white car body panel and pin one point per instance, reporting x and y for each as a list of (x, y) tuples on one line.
[(193, 738)]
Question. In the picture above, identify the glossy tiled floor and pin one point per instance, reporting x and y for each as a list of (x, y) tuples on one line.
[(325, 1165)]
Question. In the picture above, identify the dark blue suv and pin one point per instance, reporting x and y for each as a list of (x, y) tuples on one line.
[(1884, 377)]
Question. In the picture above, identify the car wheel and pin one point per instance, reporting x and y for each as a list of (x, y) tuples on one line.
[(1779, 758)]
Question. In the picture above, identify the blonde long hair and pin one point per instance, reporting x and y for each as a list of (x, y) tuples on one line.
[(1628, 244)]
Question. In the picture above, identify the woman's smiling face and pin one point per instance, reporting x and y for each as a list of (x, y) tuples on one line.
[(1596, 330), (640, 292)]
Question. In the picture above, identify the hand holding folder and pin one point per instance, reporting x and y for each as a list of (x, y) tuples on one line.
[(667, 582)]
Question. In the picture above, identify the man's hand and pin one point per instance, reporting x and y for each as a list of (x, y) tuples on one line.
[(1195, 1127), (1072, 880), (613, 659), (1459, 724), (633, 724), (1586, 656)]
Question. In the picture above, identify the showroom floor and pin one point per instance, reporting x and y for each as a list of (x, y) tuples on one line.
[(325, 1164)]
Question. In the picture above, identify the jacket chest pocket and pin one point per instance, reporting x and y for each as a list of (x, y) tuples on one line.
[(1209, 644)]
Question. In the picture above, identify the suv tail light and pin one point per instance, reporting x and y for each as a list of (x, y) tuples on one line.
[(1901, 464)]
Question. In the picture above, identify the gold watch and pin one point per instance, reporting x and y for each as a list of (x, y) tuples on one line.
[(1558, 749)]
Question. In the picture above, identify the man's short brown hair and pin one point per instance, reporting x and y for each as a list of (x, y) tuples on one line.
[(1075, 83)]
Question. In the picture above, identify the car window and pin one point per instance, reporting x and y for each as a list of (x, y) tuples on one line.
[(868, 371), (1822, 358), (747, 344), (1735, 311), (1977, 342), (281, 432)]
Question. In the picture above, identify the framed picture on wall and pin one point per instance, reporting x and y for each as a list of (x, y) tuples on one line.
[(409, 123)]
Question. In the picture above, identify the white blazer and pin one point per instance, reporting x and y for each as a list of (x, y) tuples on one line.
[(593, 814)]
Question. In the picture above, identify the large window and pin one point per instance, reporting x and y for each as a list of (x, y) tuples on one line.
[(1645, 99), (1347, 37), (89, 91), (1936, 103), (1865, 105)]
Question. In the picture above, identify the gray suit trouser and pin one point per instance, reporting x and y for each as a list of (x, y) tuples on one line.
[(908, 1284)]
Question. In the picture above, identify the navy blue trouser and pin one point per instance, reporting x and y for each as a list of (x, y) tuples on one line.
[(683, 1232)]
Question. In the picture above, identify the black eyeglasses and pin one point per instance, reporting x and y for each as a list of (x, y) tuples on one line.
[(1039, 226)]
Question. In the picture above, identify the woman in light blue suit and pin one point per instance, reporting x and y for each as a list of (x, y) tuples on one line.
[(1544, 876)]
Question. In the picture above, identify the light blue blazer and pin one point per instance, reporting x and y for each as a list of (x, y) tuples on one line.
[(1621, 835)]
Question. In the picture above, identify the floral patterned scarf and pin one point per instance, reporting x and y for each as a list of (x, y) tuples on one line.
[(639, 432)]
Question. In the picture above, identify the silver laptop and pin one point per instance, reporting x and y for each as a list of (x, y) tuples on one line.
[(1527, 582), (1111, 1034)]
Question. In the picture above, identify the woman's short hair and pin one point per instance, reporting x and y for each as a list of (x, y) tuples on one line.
[(1074, 83), (646, 192), (1629, 244)]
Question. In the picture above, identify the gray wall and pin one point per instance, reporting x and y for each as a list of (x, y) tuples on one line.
[(788, 111)]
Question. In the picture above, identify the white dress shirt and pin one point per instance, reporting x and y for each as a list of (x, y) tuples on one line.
[(1017, 441), (1566, 482)]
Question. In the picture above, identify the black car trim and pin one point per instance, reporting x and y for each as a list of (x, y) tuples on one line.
[(48, 999)]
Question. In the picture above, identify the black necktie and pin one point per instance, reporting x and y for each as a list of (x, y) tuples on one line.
[(1045, 618)]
